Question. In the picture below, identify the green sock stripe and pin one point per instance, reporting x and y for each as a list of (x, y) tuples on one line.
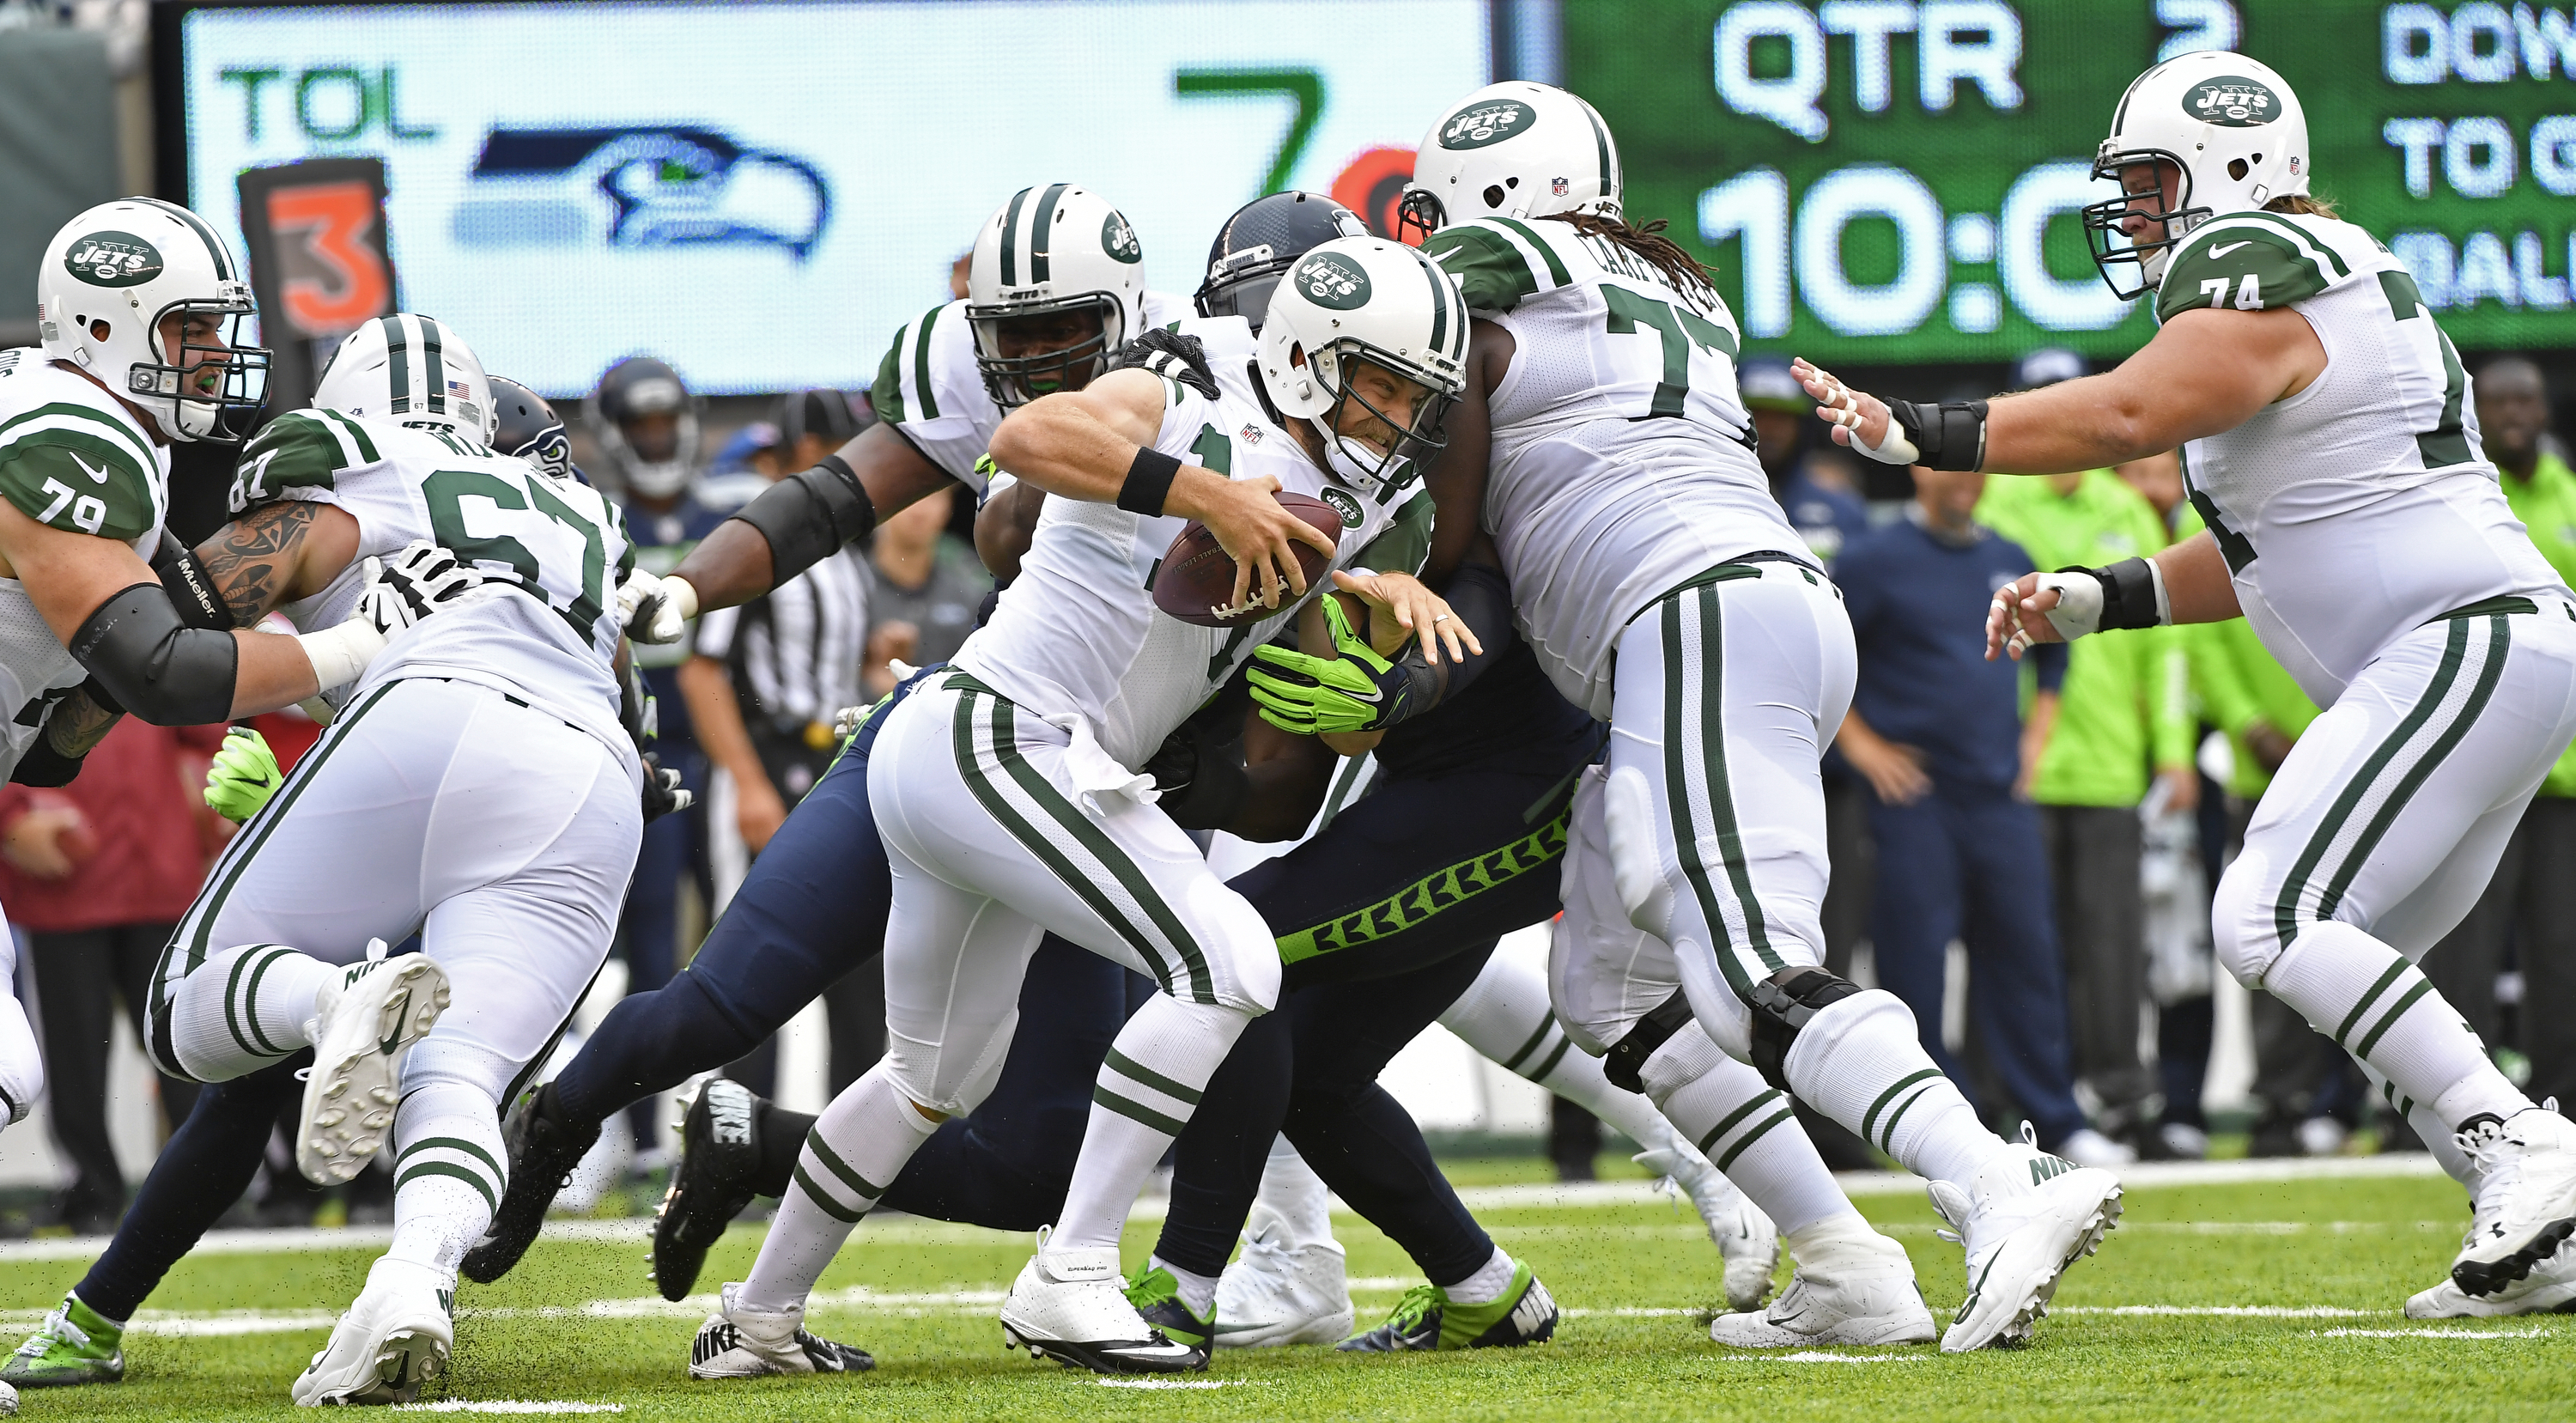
[(466, 1174), (452, 1143), (1871, 1116), (2490, 672), (1563, 1046), (1418, 903), (1677, 795), (1887, 1132), (1128, 1067), (823, 1201), (1732, 1152), (1136, 1112), (237, 1014), (1721, 790), (2285, 910), (1513, 1063), (2396, 970), (2422, 986), (250, 1000), (1709, 1142), (833, 1163)]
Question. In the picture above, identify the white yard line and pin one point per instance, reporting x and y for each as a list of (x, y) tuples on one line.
[(2433, 1334), (508, 1405)]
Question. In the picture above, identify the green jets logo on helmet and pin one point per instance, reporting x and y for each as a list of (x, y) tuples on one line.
[(1489, 122), (1334, 281), (2232, 103), (1119, 240), (113, 259), (1344, 505)]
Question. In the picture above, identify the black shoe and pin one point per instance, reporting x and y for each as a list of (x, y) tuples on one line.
[(711, 1182), (545, 1145)]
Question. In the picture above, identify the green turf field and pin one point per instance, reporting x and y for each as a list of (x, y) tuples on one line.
[(2276, 1300)]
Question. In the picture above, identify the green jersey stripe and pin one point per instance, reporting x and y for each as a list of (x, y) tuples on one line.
[(1557, 275), (1490, 271), (1128, 1067), (924, 394), (1721, 791), (2307, 239), (353, 433), (141, 452)]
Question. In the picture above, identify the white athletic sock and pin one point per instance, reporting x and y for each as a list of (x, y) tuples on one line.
[(245, 1008), (1196, 1290), (1505, 1015), (854, 1151), (1860, 1063), (2436, 1135), (1486, 1285), (2379, 1007), (1292, 1205), (1744, 1126), (1845, 1236), (1156, 1069), (449, 1172)]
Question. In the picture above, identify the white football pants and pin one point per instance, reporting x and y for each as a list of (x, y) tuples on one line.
[(22, 1065)]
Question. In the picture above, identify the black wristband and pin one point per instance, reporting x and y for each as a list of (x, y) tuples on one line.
[(44, 766), (2128, 594), (1950, 435), (1149, 482)]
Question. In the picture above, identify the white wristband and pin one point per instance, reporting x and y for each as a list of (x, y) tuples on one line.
[(340, 654)]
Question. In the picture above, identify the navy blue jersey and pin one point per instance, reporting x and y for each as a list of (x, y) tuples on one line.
[(662, 538), (1510, 716)]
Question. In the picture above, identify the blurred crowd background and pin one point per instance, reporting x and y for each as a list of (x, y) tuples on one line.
[(2127, 769)]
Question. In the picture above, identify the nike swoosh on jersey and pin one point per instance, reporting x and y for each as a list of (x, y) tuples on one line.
[(97, 473), (2230, 247)]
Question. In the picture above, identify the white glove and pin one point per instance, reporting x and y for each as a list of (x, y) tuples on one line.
[(2078, 612), (654, 610), (421, 580), (1843, 408), (340, 654)]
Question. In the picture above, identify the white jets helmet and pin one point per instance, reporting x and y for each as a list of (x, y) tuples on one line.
[(108, 280), (411, 371), (1365, 299), (1056, 250), (2233, 128), (1514, 149)]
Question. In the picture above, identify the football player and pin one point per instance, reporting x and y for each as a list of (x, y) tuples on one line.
[(1008, 797), (1662, 589), (2332, 447)]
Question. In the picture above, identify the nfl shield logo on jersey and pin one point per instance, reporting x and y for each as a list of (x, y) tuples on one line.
[(1251, 434)]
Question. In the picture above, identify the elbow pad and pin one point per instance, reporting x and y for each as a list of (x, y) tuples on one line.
[(153, 664), (190, 586), (808, 516)]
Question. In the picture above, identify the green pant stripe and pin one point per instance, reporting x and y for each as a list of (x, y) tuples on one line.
[(1677, 796), (1416, 904), (832, 1162), (1563, 1045), (452, 1143), (1870, 1117), (1134, 1112), (823, 1200), (1708, 1143), (1128, 1067), (2285, 911), (2422, 986), (1732, 1152), (1887, 1132), (989, 795), (1513, 1063), (2370, 995), (2490, 672), (1721, 792), (465, 1174)]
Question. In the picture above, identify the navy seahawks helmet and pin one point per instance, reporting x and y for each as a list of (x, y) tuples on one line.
[(637, 389), (1260, 242), (530, 429)]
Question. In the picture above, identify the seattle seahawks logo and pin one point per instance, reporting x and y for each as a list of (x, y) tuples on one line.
[(1331, 280), (113, 259), (1119, 240), (1489, 122), (2232, 103), (644, 186), (1344, 505)]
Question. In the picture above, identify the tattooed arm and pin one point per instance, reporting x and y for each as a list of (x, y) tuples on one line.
[(277, 554)]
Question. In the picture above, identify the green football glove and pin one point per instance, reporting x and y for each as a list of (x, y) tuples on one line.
[(1360, 691), (243, 776)]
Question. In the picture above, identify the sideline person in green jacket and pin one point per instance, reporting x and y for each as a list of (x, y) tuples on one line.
[(2532, 899), (2123, 708)]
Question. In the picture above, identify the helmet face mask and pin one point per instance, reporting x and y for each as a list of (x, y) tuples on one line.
[(642, 394), (1039, 348), (1343, 370), (213, 385), (1054, 286), (2162, 179)]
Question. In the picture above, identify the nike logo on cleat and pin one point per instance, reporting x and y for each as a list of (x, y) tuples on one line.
[(2044, 1167)]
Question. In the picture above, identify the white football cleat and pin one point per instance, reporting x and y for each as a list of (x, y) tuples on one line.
[(359, 1031), (1746, 1239), (2025, 1217), (1860, 1292), (2550, 1288), (1281, 1290), (1071, 1306), (2526, 1197), (395, 1337), (738, 1342)]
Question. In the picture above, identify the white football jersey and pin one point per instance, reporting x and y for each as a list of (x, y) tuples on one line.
[(72, 457), (929, 387), (1077, 634), (2363, 506), (1621, 463), (544, 627)]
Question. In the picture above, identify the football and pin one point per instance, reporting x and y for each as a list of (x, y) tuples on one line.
[(1195, 580)]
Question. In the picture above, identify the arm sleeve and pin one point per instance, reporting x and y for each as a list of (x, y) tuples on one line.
[(1482, 600), (2048, 665)]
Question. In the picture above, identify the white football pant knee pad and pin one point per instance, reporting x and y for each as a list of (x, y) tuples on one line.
[(938, 1076), (1871, 1010), (2244, 924), (1240, 945), (1685, 1057), (437, 1061), (1637, 851)]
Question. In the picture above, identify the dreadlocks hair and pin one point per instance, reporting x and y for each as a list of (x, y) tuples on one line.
[(1649, 245)]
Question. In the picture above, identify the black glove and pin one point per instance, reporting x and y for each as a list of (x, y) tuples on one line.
[(663, 793), (1201, 779), (1174, 357)]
